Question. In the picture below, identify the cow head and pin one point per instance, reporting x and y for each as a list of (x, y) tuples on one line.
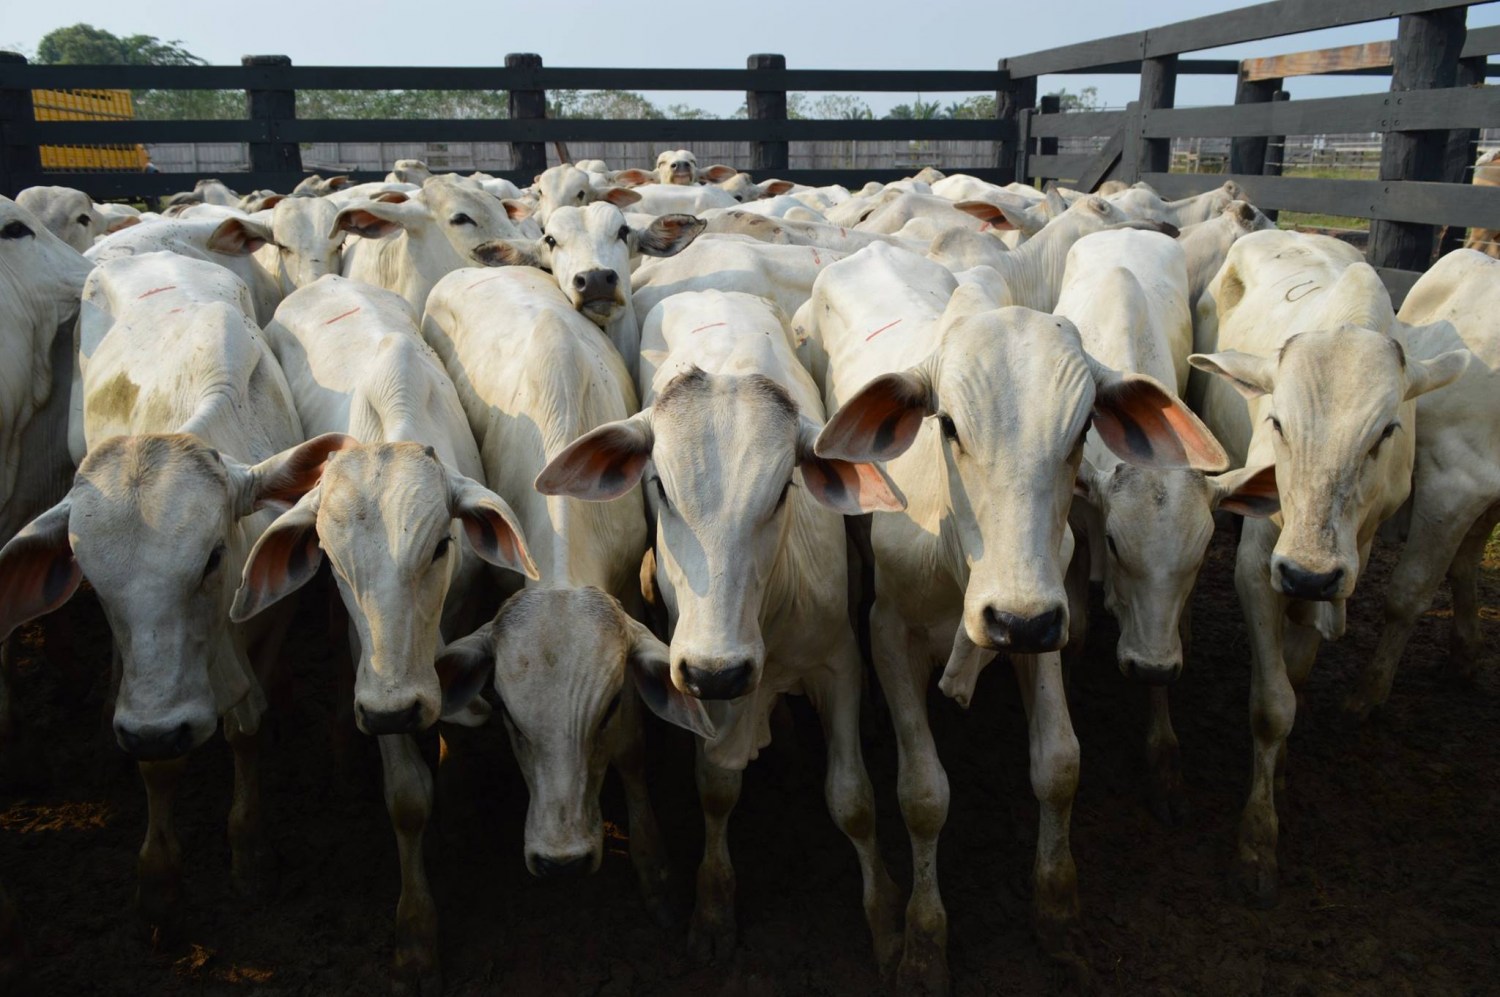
[(392, 520), (308, 242), (568, 666), (569, 186), (153, 522), (677, 166), (1001, 407)]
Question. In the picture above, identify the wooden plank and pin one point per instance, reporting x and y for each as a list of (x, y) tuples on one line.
[(1246, 24), (767, 108), (1481, 41), (490, 78), (610, 130), (1090, 179), (116, 132), (1069, 167), (1070, 124), (1012, 99), (269, 107), (1323, 61), (526, 105), (1158, 90), (1248, 154), (1185, 67), (1423, 203), (1412, 110)]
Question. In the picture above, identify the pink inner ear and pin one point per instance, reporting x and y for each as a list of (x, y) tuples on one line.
[(1145, 425), (778, 187), (302, 469), (1257, 497), (36, 581), (285, 560), (849, 488), (984, 211), (879, 423), (365, 224), (634, 178), (496, 539), (600, 466)]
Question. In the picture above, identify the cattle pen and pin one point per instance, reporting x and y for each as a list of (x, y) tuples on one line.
[(1430, 119)]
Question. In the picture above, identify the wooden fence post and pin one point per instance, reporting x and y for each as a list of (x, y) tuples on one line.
[(527, 158), (1463, 150), (1011, 98), (1272, 163), (1425, 57), (1047, 146), (272, 107), (1247, 154), (16, 157), (767, 105), (1158, 90)]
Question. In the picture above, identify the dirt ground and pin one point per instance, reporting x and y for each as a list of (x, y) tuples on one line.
[(1389, 879)]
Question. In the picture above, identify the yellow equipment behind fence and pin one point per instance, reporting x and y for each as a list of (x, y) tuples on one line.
[(87, 105)]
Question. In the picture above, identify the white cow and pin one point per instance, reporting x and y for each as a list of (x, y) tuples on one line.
[(1305, 337), (589, 252), (301, 239), (1455, 497), (404, 525), (749, 562), (1147, 530), (532, 375), (71, 215), (160, 519), (982, 426), (410, 243), (787, 232), (568, 185), (1207, 243)]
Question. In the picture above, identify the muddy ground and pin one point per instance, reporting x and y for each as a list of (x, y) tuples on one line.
[(1390, 883)]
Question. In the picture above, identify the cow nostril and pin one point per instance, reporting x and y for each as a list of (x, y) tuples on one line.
[(727, 682), (579, 282), (611, 278), (576, 865), (1302, 584)]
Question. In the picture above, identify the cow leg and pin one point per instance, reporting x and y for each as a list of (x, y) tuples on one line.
[(1076, 584), (251, 862), (711, 934), (647, 854), (158, 894), (1273, 707), (1166, 797), (851, 802), (1054, 781), (408, 799), (904, 667), (1437, 530), (1463, 578)]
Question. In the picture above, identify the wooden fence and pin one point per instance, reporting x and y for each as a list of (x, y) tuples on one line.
[(1429, 119)]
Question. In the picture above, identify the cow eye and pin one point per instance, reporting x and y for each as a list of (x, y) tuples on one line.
[(661, 491), (737, 197), (949, 429), (441, 549), (624, 232), (214, 558), (84, 220), (786, 490), (551, 242), (460, 219), (1389, 430), (580, 195), (1276, 425), (1109, 539), (15, 230), (609, 712)]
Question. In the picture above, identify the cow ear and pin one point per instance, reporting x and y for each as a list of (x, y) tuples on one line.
[(1056, 204), (283, 479), (376, 219), (239, 237), (1423, 376), (490, 525), (37, 570), (633, 178), (718, 173), (1250, 375), (602, 464), (668, 235), (517, 210), (775, 188), (1147, 425), (123, 222), (650, 669), (285, 558), (1005, 217), (620, 197), (881, 421), (506, 253), (464, 667), (1246, 491), (846, 487)]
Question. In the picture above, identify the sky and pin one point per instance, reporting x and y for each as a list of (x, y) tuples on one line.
[(884, 34)]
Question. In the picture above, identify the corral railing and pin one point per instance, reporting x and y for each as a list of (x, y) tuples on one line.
[(273, 131), (1429, 119)]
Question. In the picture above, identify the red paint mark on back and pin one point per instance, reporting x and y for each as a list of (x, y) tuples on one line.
[(842, 233), (816, 258), (881, 329), (343, 316), (174, 311), (711, 325), (158, 290), (487, 280)]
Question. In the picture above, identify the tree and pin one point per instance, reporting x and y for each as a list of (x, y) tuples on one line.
[(1086, 99), (917, 110), (982, 106), (86, 45)]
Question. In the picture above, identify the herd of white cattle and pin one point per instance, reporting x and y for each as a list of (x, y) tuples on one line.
[(677, 421)]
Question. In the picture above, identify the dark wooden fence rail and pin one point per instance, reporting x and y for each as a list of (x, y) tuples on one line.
[(1429, 118)]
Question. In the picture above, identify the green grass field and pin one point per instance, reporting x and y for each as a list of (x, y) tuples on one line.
[(1303, 219)]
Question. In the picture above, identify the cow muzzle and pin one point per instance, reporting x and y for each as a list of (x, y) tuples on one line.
[(155, 742), (560, 866), (717, 679), (1150, 672), (682, 173), (596, 293), (1047, 631), (1295, 581), (407, 719)]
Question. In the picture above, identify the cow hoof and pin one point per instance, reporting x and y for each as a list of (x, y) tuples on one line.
[(922, 977), (1256, 883), (710, 938), (416, 974)]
